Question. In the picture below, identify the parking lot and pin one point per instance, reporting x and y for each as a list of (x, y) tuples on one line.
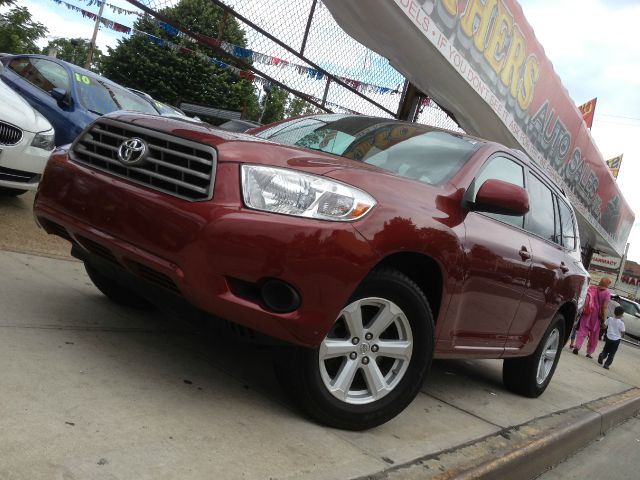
[(92, 390)]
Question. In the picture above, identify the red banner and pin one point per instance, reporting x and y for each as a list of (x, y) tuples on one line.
[(588, 110), (480, 60)]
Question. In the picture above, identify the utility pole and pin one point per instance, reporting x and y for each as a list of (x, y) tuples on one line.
[(92, 45), (267, 92)]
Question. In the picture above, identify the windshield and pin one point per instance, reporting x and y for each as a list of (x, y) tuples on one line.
[(410, 150), (103, 97), (165, 109), (629, 307)]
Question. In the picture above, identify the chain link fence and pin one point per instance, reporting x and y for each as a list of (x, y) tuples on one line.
[(300, 46)]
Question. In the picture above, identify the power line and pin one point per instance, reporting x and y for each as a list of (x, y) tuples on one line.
[(637, 119)]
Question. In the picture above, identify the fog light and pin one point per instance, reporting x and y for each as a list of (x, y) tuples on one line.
[(279, 296)]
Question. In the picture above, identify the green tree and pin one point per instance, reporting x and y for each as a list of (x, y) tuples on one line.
[(273, 104), (173, 76), (18, 31), (75, 50), (297, 106)]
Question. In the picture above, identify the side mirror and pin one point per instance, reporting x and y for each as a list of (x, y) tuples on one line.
[(61, 96), (496, 196)]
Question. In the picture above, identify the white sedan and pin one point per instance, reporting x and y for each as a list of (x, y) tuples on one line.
[(631, 316), (26, 141)]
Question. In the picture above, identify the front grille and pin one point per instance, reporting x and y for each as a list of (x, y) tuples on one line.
[(98, 250), (154, 276), (9, 135), (176, 166), (11, 175), (55, 228), (143, 271)]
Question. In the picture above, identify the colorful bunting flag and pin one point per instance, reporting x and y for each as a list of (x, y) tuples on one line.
[(614, 165), (114, 8), (118, 27), (257, 57), (235, 50), (588, 110)]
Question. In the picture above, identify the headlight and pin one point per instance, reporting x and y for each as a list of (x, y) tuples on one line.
[(291, 192), (583, 294), (44, 140)]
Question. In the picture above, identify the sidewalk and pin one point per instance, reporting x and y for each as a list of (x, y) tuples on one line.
[(93, 391)]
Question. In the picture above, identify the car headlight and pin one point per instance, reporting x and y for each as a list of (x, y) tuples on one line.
[(583, 294), (291, 192), (44, 140)]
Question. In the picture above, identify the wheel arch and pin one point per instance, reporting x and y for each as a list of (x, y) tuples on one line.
[(424, 271), (569, 310)]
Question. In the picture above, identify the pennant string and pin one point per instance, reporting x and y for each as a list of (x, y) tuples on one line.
[(234, 50)]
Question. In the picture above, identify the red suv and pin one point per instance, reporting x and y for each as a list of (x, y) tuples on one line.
[(371, 245)]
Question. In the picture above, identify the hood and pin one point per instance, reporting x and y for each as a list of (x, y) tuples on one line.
[(16, 111)]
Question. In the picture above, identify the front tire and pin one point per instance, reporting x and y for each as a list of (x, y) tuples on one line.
[(530, 376), (116, 292), (372, 363)]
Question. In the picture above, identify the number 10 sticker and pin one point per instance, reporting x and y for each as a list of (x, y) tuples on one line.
[(83, 78)]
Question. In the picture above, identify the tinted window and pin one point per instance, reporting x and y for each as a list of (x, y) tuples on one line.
[(44, 74), (501, 168), (567, 226), (541, 216), (409, 150)]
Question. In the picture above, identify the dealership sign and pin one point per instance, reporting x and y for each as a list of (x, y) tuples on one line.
[(480, 60), (606, 262)]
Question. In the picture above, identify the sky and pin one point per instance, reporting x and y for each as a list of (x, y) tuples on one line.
[(65, 23), (591, 43)]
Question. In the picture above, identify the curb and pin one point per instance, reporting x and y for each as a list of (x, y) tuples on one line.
[(527, 450)]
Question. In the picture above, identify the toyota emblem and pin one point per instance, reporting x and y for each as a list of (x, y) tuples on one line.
[(132, 152)]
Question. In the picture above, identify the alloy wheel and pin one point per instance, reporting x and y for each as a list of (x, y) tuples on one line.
[(548, 356), (367, 352)]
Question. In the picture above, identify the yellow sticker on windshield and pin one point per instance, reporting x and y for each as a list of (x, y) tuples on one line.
[(82, 78)]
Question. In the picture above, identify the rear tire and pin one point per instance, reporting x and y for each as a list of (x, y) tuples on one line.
[(116, 292), (372, 363), (530, 376), (10, 192)]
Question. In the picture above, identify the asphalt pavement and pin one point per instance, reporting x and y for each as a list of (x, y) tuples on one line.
[(90, 390), (613, 456)]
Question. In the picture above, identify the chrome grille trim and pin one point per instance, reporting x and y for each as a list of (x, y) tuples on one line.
[(176, 166), (9, 135)]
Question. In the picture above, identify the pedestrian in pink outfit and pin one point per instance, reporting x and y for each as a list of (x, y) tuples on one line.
[(590, 322)]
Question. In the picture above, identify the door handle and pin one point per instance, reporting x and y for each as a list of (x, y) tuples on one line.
[(563, 267), (524, 254)]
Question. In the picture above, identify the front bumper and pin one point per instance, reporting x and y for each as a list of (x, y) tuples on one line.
[(209, 252), (21, 165)]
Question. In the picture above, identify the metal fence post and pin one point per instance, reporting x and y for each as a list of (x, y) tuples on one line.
[(308, 27)]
